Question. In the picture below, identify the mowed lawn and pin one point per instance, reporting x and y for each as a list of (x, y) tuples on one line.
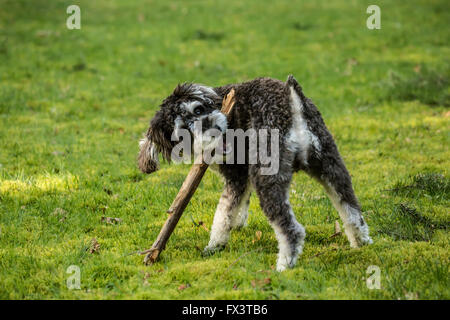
[(74, 103)]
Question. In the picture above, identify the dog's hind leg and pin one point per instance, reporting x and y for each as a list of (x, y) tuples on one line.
[(273, 193), (319, 156), (333, 175), (355, 227)]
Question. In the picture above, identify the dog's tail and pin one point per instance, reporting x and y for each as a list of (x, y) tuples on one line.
[(292, 82)]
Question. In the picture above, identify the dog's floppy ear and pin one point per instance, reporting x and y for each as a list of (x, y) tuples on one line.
[(157, 139), (148, 156)]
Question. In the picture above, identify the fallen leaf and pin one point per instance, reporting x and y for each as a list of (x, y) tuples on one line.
[(146, 276), (337, 230), (411, 296), (260, 283), (46, 33), (184, 286), (202, 224), (111, 220), (95, 246), (258, 235), (352, 62), (57, 153), (59, 212)]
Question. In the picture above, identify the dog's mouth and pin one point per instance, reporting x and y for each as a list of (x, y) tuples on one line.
[(225, 148), (220, 146), (217, 143)]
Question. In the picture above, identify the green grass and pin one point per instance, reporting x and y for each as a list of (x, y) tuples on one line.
[(73, 104)]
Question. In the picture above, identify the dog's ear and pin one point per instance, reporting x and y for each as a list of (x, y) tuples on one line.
[(148, 160), (157, 140)]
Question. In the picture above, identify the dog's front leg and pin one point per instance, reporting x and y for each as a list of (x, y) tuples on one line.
[(234, 197)]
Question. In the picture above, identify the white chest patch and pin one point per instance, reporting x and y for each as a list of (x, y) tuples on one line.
[(300, 139)]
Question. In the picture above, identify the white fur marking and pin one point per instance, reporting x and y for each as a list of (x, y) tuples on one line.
[(221, 224), (300, 138), (201, 91), (190, 106), (223, 220), (284, 251)]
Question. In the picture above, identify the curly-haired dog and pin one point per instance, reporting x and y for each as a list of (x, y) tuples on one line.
[(304, 144)]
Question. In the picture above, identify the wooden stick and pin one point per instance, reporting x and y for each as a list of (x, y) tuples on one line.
[(183, 197)]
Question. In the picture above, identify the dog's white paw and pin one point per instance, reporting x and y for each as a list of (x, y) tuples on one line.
[(283, 265), (285, 262), (281, 268), (358, 235), (360, 240), (367, 240), (209, 250)]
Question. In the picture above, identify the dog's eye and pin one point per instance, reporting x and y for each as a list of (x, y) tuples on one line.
[(198, 110)]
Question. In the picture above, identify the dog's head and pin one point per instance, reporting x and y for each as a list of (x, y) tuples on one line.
[(188, 105)]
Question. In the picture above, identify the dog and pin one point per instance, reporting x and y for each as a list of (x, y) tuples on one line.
[(304, 144)]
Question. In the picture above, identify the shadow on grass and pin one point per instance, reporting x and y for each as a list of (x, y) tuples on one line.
[(205, 35), (427, 86), (424, 184), (302, 26), (406, 223)]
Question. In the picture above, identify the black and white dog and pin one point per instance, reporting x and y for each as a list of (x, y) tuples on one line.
[(304, 144)]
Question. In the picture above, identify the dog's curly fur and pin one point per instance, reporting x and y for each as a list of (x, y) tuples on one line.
[(305, 144)]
